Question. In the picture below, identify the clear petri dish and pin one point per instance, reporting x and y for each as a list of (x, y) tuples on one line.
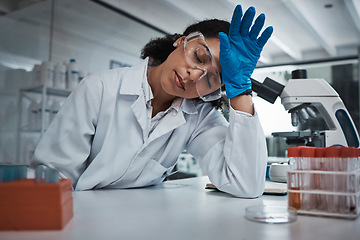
[(270, 214)]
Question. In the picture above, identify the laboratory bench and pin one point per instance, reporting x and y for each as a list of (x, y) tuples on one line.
[(183, 209)]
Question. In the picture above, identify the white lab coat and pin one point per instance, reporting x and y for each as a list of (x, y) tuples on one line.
[(100, 138)]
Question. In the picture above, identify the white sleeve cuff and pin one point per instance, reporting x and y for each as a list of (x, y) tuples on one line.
[(237, 112)]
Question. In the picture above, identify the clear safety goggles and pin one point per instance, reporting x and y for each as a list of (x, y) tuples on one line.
[(198, 55)]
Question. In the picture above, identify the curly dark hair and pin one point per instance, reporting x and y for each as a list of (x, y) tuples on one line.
[(159, 49)]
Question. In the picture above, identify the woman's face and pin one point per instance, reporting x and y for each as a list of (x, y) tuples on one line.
[(178, 76)]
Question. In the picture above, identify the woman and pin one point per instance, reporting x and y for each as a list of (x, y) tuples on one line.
[(126, 127)]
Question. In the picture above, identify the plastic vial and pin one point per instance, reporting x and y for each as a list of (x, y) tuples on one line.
[(51, 176), (310, 181), (347, 180), (60, 76), (322, 178), (293, 178), (39, 173)]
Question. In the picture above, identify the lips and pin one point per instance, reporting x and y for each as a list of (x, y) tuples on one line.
[(179, 82)]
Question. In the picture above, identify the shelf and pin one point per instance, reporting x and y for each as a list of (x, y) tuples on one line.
[(49, 91)]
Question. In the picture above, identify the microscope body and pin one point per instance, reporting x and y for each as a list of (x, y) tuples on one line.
[(321, 97)]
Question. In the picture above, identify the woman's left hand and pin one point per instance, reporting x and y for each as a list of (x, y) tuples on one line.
[(240, 50)]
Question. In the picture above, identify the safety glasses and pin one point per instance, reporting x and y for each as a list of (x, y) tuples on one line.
[(198, 55)]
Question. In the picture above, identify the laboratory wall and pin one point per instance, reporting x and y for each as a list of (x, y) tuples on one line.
[(50, 33)]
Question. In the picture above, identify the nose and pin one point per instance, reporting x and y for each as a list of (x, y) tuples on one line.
[(196, 73)]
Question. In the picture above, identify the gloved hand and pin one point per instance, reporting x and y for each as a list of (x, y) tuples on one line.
[(240, 51)]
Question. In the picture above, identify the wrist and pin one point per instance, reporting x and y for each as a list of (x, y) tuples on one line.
[(243, 103)]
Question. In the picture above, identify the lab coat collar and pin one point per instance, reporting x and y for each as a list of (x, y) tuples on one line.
[(189, 106), (133, 79)]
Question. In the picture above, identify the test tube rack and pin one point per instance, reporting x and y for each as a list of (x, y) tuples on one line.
[(26, 205), (324, 181)]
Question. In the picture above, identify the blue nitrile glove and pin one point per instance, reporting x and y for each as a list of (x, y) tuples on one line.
[(240, 51)]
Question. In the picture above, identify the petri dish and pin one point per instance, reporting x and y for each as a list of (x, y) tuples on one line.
[(270, 214)]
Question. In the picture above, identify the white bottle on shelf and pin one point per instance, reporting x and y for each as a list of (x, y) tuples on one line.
[(36, 75), (47, 114), (72, 75), (60, 76), (47, 74)]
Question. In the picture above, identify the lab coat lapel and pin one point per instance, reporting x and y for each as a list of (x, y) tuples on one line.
[(171, 121), (139, 109), (174, 118), (132, 85)]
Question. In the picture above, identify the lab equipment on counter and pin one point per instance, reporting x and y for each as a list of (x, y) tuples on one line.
[(12, 172), (278, 172), (44, 203), (306, 99), (324, 181), (270, 214)]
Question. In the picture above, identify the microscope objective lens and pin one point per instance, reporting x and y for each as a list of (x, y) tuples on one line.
[(294, 118)]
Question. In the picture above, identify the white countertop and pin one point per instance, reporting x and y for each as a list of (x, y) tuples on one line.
[(182, 209)]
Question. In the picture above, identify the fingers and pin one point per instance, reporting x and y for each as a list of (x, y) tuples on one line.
[(247, 21), (224, 42), (265, 36), (241, 24), (258, 25), (236, 21)]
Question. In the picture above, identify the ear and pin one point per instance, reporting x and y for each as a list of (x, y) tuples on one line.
[(179, 41)]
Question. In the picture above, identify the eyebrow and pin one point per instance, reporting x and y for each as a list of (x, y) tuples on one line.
[(208, 50)]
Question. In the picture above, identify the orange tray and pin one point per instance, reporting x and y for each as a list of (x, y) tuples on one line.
[(25, 205)]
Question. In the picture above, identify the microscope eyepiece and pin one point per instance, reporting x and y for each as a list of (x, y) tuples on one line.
[(268, 90), (299, 74)]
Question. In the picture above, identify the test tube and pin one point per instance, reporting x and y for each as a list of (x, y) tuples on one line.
[(39, 173), (331, 156), (51, 175)]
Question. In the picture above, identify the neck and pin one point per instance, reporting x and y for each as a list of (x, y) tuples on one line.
[(161, 100)]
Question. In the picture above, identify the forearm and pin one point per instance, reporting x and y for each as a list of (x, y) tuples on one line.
[(236, 164), (243, 103)]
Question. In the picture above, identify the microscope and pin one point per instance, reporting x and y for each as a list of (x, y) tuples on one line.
[(311, 101)]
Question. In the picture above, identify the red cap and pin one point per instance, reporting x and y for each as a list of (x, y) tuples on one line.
[(307, 151), (332, 152), (348, 152), (319, 152), (293, 152)]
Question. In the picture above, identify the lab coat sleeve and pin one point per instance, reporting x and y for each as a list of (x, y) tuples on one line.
[(235, 156), (66, 143)]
